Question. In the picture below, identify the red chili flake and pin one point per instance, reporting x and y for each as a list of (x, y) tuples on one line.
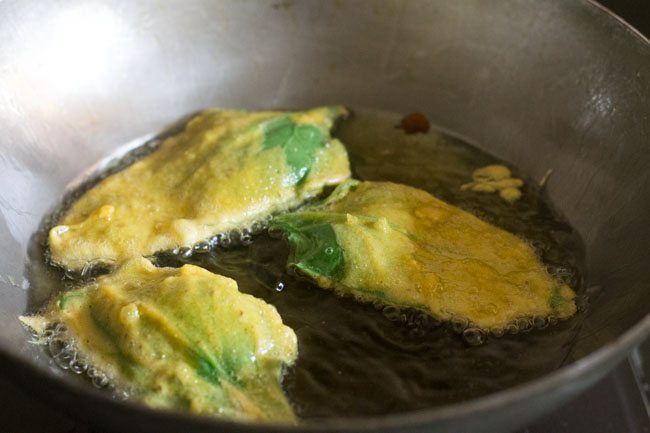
[(415, 122)]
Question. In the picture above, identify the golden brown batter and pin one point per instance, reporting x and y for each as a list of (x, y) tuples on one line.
[(399, 245), (225, 171), (181, 338)]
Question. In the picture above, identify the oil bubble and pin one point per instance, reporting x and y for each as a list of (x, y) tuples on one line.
[(63, 359), (78, 366), (458, 325), (215, 240), (98, 378), (100, 381), (225, 241), (70, 275), (540, 322), (422, 320), (202, 247), (512, 329), (258, 227), (394, 314), (497, 332), (474, 336), (56, 345), (246, 239), (524, 324), (391, 313), (539, 246), (85, 270), (64, 353), (235, 237)]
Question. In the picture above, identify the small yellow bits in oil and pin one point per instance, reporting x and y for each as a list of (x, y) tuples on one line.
[(496, 178)]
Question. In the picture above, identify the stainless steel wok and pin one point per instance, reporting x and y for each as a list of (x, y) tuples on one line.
[(556, 83)]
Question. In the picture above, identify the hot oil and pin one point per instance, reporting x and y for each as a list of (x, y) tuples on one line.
[(361, 359)]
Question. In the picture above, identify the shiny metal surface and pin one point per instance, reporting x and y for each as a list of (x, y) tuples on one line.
[(554, 84)]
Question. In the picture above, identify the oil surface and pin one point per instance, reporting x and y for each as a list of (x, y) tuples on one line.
[(360, 359)]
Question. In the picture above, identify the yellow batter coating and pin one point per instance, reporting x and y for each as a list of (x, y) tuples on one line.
[(181, 338), (225, 171), (401, 246)]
